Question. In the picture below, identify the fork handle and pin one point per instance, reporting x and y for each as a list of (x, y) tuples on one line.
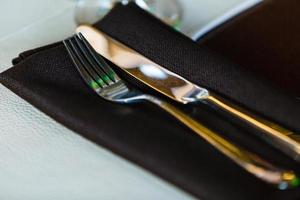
[(283, 139), (258, 167)]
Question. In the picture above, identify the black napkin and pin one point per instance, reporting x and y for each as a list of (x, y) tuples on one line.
[(265, 40), (142, 133)]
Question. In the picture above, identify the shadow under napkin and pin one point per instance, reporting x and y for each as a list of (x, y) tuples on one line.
[(143, 133)]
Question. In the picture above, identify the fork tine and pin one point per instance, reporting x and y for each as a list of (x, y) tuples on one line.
[(99, 59), (85, 63), (92, 62), (83, 72)]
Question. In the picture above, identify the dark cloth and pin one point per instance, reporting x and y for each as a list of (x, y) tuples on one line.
[(144, 134), (266, 40)]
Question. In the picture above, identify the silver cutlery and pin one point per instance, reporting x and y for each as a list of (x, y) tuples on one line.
[(183, 91), (107, 84)]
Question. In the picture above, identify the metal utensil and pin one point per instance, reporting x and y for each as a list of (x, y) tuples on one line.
[(105, 82), (183, 91)]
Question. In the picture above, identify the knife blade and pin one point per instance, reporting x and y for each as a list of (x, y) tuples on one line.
[(183, 91)]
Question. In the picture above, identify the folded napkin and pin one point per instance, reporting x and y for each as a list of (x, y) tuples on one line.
[(144, 134), (266, 41)]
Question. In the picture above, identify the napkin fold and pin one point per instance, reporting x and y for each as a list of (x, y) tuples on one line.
[(144, 134)]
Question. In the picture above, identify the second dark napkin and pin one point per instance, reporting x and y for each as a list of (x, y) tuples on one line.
[(47, 78), (272, 44)]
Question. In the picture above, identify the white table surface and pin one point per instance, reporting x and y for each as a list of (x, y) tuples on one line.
[(40, 158)]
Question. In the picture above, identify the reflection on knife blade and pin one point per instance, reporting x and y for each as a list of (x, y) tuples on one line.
[(183, 91)]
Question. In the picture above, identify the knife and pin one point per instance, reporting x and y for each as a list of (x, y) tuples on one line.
[(183, 91)]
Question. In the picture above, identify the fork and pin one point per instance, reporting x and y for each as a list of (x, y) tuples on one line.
[(99, 76)]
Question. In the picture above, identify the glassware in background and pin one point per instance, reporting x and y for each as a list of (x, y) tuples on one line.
[(90, 11)]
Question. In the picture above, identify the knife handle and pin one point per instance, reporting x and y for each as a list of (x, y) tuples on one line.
[(281, 138), (250, 162)]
